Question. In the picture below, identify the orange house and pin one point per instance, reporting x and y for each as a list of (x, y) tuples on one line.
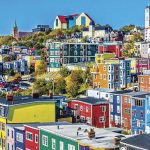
[(106, 76), (144, 83)]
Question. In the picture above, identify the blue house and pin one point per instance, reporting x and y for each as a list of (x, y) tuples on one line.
[(19, 138), (141, 114), (115, 109)]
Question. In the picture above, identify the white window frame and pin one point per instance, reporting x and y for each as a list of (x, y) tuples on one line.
[(31, 134), (45, 140), (19, 137), (36, 137), (53, 144), (61, 145)]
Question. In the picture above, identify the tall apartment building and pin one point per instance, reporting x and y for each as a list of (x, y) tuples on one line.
[(70, 53)]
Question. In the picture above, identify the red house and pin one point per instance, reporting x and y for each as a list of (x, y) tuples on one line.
[(31, 137), (91, 110), (111, 48), (126, 112)]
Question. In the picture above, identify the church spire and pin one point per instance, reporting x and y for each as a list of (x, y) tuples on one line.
[(15, 25)]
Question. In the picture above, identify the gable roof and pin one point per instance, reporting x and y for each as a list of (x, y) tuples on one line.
[(63, 19)]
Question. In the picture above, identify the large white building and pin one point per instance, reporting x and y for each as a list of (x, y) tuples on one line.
[(147, 23)]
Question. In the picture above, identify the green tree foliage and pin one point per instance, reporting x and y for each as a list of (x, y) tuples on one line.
[(60, 86), (41, 68), (127, 28), (7, 58), (42, 86), (6, 40), (64, 72)]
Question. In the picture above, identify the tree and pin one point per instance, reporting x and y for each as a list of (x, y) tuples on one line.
[(64, 72), (41, 68), (126, 29), (60, 86)]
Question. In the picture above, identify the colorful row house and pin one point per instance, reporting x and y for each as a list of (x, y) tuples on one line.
[(124, 110), (144, 81), (111, 47), (77, 137), (17, 110), (91, 111), (112, 75)]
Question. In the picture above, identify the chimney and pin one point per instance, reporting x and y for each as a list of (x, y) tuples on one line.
[(91, 134), (9, 97), (35, 94)]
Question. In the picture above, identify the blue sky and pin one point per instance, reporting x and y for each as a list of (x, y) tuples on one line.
[(29, 13)]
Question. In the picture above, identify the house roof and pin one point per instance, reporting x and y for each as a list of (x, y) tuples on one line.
[(139, 141), (28, 99), (141, 96), (93, 101), (103, 137), (63, 19)]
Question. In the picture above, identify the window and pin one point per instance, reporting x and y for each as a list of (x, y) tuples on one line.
[(76, 106), (127, 111), (53, 144), (141, 114), (56, 22), (45, 140), (83, 21), (118, 109), (134, 113), (7, 132), (103, 108), (104, 77), (128, 73), (112, 118), (3, 126), (87, 109), (75, 59), (12, 134), (36, 138), (19, 137), (89, 52), (81, 108), (75, 52), (71, 147), (142, 80), (118, 99), (29, 136), (8, 146), (104, 68), (111, 108), (138, 123), (102, 119), (61, 144), (138, 102)]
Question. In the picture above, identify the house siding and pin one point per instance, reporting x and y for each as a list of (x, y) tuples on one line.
[(58, 139)]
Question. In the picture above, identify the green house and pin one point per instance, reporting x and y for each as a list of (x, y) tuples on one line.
[(51, 140)]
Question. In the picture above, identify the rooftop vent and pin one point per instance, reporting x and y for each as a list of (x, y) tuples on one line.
[(9, 97), (91, 133)]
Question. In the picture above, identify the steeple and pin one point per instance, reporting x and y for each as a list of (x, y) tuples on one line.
[(15, 25)]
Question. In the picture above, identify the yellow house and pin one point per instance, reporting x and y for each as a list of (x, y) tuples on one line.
[(84, 20), (100, 58), (24, 110), (60, 22)]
